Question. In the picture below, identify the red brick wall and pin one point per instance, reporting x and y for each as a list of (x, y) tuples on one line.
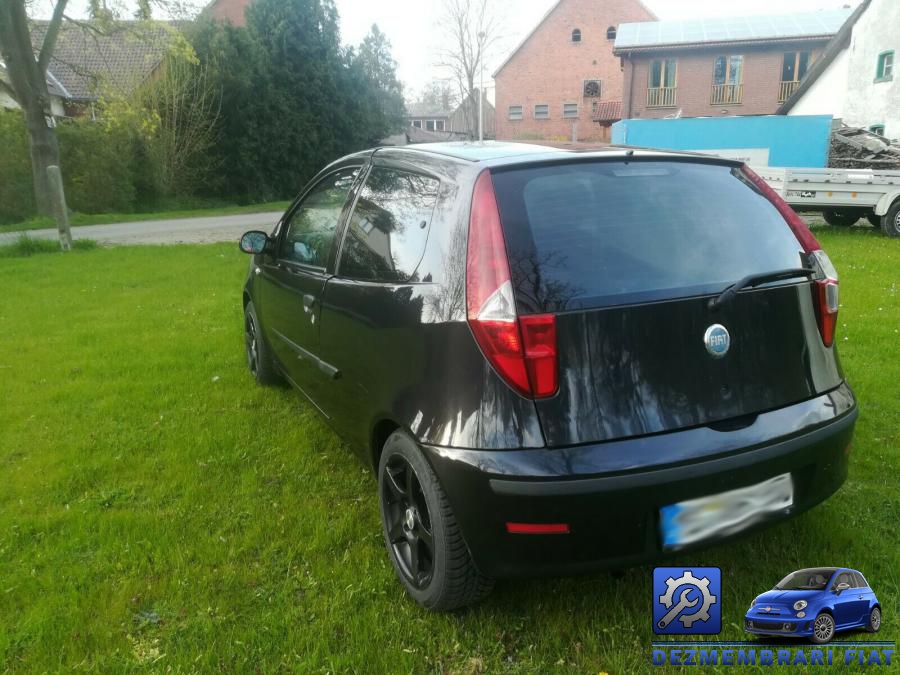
[(761, 80), (229, 10), (549, 68)]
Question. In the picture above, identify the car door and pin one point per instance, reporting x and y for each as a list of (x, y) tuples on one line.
[(292, 280), (847, 606), (864, 596), (372, 313)]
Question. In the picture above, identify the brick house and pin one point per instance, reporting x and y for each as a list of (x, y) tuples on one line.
[(723, 66), (563, 80), (228, 11)]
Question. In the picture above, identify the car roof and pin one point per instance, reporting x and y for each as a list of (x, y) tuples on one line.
[(502, 153)]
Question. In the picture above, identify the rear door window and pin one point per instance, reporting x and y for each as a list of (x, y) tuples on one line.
[(388, 230), (610, 232)]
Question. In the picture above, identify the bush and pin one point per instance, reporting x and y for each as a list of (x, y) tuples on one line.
[(16, 195), (97, 163)]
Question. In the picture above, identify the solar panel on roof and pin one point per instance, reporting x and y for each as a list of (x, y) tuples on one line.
[(651, 33)]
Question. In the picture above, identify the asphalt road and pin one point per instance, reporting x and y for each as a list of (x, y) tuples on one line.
[(178, 231)]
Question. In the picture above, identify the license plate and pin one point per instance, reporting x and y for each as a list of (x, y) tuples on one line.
[(725, 513)]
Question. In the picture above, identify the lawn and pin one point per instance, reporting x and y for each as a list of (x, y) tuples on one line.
[(160, 512), (77, 219)]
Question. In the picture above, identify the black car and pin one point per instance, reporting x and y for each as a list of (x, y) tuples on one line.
[(556, 361)]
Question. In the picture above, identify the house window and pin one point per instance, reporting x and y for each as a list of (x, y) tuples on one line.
[(576, 35), (541, 111), (877, 129), (515, 112), (793, 67), (429, 125), (885, 69), (611, 33), (662, 84), (727, 80), (417, 124), (439, 125), (570, 110)]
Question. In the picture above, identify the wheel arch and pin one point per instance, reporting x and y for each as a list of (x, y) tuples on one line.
[(887, 200), (382, 428)]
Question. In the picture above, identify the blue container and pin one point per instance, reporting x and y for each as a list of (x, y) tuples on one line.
[(768, 140)]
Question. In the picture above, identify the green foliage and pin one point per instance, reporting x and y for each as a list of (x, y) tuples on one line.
[(98, 166), (26, 246), (16, 195), (293, 98)]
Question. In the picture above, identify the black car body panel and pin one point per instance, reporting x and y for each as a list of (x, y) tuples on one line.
[(611, 493), (642, 418)]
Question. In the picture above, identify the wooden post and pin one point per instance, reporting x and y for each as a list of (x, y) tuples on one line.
[(60, 212)]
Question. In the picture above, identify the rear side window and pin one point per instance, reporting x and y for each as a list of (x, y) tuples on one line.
[(610, 233), (388, 230)]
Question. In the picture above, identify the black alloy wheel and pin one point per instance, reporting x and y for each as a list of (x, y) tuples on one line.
[(408, 521)]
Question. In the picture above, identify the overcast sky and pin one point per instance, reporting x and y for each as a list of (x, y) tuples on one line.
[(411, 24)]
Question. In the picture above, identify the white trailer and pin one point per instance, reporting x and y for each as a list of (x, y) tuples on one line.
[(842, 195)]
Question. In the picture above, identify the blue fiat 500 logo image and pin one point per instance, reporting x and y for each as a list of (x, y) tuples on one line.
[(686, 601), (717, 340)]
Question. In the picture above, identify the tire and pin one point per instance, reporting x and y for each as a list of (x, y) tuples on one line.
[(421, 534), (841, 217), (823, 629), (874, 620), (890, 224), (874, 219), (259, 358)]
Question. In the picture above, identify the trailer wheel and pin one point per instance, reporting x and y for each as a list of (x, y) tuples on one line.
[(890, 223), (874, 218), (841, 217)]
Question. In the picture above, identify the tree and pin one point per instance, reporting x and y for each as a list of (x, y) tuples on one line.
[(378, 65), (439, 94), (471, 29), (28, 76)]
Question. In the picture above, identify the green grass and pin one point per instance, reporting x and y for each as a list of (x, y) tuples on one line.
[(159, 512), (26, 246), (78, 219)]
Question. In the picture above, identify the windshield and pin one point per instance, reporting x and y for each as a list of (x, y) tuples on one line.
[(805, 580)]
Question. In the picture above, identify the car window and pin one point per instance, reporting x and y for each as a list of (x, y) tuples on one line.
[(309, 236), (388, 230), (594, 234), (842, 578), (860, 582)]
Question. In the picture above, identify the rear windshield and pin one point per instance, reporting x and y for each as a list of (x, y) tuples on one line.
[(609, 233)]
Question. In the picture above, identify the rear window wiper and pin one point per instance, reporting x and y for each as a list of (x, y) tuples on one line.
[(755, 280)]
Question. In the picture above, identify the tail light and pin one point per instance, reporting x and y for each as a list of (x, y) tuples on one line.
[(521, 349), (825, 286)]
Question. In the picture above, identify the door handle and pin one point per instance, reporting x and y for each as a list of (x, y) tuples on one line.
[(309, 302)]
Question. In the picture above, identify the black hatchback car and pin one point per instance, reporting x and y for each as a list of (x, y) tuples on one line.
[(556, 361)]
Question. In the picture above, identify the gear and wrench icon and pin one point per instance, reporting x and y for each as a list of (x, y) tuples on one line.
[(701, 584)]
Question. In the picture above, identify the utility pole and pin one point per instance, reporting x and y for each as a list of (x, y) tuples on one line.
[(481, 36)]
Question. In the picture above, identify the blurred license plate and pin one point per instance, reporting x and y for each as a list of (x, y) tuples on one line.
[(725, 513)]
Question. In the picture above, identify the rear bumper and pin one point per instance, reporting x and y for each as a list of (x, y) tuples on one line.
[(610, 494)]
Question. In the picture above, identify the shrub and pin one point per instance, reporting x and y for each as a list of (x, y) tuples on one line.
[(97, 163), (16, 195), (26, 246)]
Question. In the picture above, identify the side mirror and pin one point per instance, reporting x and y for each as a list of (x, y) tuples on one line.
[(842, 587), (254, 242)]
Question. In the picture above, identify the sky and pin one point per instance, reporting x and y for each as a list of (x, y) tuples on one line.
[(411, 25)]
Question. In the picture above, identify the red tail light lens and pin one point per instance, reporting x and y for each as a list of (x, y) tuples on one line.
[(827, 295), (522, 351), (825, 288)]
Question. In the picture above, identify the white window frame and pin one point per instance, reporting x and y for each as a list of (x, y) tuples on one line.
[(515, 117), (568, 114), (545, 116)]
